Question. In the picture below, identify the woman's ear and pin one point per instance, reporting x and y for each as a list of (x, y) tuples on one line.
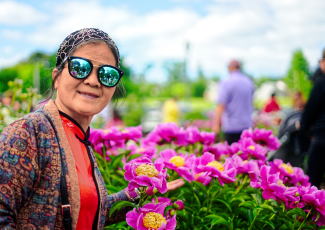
[(54, 73)]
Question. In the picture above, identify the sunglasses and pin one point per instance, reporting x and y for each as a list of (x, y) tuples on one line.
[(80, 68)]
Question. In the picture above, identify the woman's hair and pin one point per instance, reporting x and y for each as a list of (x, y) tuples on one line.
[(120, 90)]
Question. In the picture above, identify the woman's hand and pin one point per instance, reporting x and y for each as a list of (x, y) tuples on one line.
[(174, 184)]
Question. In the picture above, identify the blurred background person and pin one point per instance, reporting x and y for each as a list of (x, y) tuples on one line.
[(313, 119), (298, 102), (171, 110), (235, 104), (271, 104)]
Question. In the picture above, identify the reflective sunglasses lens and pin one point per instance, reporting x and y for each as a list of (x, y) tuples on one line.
[(108, 76), (79, 68)]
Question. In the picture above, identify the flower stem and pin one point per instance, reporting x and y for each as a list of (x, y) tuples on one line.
[(305, 219)]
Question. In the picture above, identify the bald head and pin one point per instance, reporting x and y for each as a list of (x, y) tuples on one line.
[(233, 65)]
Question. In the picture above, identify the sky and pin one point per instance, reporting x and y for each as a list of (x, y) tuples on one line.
[(263, 34)]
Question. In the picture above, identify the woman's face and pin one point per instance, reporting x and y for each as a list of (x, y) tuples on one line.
[(83, 98)]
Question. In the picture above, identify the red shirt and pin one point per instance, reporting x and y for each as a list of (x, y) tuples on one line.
[(88, 191)]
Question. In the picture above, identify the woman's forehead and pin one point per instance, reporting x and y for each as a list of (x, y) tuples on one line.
[(99, 54)]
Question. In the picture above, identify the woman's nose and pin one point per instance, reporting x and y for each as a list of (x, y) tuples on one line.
[(92, 79)]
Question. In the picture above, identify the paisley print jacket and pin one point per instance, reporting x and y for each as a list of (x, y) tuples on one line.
[(30, 170)]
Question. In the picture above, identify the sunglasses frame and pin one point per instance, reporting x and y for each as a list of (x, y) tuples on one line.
[(70, 58)]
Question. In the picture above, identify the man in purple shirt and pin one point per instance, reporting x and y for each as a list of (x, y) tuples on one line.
[(235, 104)]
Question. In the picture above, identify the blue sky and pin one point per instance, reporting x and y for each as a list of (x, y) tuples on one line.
[(261, 33)]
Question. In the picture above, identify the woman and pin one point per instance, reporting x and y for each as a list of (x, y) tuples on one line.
[(33, 185)]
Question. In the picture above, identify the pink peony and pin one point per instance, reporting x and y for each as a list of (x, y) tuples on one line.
[(181, 163), (217, 150), (132, 133), (207, 138), (271, 185), (141, 172), (206, 164), (263, 137), (150, 216)]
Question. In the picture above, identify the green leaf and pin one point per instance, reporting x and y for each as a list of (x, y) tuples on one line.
[(133, 156), (224, 202), (247, 204), (318, 215), (200, 185), (297, 211), (257, 198), (270, 223), (242, 200), (249, 215), (156, 199), (218, 220), (197, 199), (117, 206), (223, 191), (265, 206), (115, 161)]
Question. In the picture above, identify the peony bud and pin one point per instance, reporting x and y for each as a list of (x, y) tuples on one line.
[(151, 190), (178, 205)]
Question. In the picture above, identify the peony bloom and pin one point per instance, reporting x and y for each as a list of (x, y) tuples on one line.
[(315, 198), (289, 174), (207, 138), (152, 138), (234, 148), (150, 216), (271, 185), (250, 167), (141, 172), (299, 177), (250, 149), (165, 200), (167, 131), (132, 133), (193, 135), (263, 137), (181, 163), (181, 138), (217, 150), (209, 167)]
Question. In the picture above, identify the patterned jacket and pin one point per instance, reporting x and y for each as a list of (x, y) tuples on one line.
[(30, 171)]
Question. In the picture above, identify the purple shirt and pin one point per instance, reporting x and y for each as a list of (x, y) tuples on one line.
[(236, 94)]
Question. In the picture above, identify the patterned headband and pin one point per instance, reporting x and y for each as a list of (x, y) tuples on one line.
[(82, 35)]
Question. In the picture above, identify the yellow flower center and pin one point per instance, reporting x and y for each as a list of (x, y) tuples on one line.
[(217, 165), (288, 168), (178, 161), (107, 131), (244, 162), (125, 131), (252, 147), (153, 220), (146, 170), (140, 150)]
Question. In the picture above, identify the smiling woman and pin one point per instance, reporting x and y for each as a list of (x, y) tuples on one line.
[(49, 178)]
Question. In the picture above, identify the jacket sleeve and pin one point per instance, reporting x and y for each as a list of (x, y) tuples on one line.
[(313, 107), (18, 170), (115, 218)]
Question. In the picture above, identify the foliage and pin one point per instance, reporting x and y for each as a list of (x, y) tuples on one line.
[(19, 104), (297, 77), (220, 203)]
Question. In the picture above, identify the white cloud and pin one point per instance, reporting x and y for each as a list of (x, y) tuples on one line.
[(12, 34), (14, 13), (262, 33)]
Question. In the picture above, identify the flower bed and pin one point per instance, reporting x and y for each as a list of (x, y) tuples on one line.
[(226, 187)]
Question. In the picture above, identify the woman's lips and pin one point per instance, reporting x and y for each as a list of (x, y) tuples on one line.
[(88, 95)]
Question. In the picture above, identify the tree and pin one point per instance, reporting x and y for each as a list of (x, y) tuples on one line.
[(297, 77)]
